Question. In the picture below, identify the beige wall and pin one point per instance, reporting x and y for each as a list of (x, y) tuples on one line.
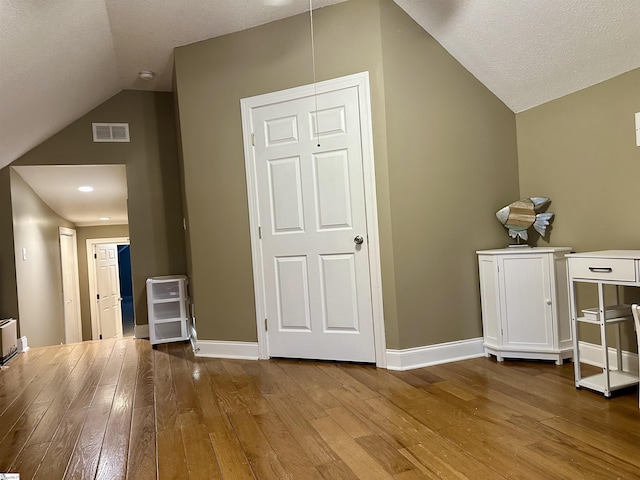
[(445, 160), (8, 287), (82, 234), (39, 277), (580, 151), (211, 78), (154, 204), (452, 164)]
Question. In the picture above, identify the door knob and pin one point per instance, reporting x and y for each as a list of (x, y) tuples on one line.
[(358, 240)]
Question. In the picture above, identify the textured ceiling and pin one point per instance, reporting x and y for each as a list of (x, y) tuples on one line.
[(56, 63), (59, 59), (529, 52)]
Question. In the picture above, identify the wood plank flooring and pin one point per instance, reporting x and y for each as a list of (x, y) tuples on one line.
[(119, 409)]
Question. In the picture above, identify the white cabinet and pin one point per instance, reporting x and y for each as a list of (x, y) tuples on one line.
[(525, 307), (167, 301)]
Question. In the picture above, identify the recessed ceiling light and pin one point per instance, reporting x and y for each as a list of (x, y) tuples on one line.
[(85, 188), (104, 218)]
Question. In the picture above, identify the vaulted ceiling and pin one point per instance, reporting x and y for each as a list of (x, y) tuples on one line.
[(59, 59)]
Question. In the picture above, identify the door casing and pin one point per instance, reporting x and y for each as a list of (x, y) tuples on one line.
[(361, 81)]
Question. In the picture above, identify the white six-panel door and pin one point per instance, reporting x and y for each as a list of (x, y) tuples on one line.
[(311, 203), (108, 286)]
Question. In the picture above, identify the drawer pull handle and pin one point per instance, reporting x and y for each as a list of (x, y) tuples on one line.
[(601, 269)]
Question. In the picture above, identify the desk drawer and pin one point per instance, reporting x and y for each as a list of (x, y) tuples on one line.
[(614, 269)]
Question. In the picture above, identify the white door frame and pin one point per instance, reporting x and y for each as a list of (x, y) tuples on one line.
[(75, 279), (361, 81), (91, 270)]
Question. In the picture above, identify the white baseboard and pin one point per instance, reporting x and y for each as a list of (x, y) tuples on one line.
[(396, 359), (23, 346), (591, 354), (220, 349), (141, 331), (418, 357)]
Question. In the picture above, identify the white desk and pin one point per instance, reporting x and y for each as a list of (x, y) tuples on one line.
[(609, 267)]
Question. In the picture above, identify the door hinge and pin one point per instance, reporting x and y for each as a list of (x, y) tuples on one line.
[(253, 139), (266, 325), (260, 233), (95, 255), (98, 296), (100, 336)]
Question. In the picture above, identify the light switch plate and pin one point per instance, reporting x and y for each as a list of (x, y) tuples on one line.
[(638, 129)]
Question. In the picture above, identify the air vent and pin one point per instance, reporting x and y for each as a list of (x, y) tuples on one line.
[(110, 132)]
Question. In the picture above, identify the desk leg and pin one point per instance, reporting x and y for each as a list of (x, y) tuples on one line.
[(574, 326), (603, 338), (618, 335)]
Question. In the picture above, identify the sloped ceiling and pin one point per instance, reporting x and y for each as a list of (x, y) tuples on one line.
[(59, 59), (529, 52), (58, 186)]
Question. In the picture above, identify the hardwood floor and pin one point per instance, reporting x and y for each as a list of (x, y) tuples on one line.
[(119, 409)]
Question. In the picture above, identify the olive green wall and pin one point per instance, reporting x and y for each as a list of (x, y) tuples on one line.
[(445, 158), (580, 151), (211, 78), (154, 204), (39, 277), (8, 287), (183, 198), (452, 164), (82, 234)]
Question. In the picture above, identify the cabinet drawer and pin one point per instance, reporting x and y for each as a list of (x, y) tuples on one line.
[(165, 290), (616, 269), (168, 310)]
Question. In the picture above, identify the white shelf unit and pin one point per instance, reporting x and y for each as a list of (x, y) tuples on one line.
[(525, 309), (609, 267), (167, 302)]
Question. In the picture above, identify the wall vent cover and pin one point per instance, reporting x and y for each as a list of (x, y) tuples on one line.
[(110, 132)]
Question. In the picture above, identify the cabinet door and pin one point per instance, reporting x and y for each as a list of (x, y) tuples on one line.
[(525, 301)]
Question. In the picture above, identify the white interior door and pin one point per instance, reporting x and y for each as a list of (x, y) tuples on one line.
[(108, 287), (70, 285), (311, 200)]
